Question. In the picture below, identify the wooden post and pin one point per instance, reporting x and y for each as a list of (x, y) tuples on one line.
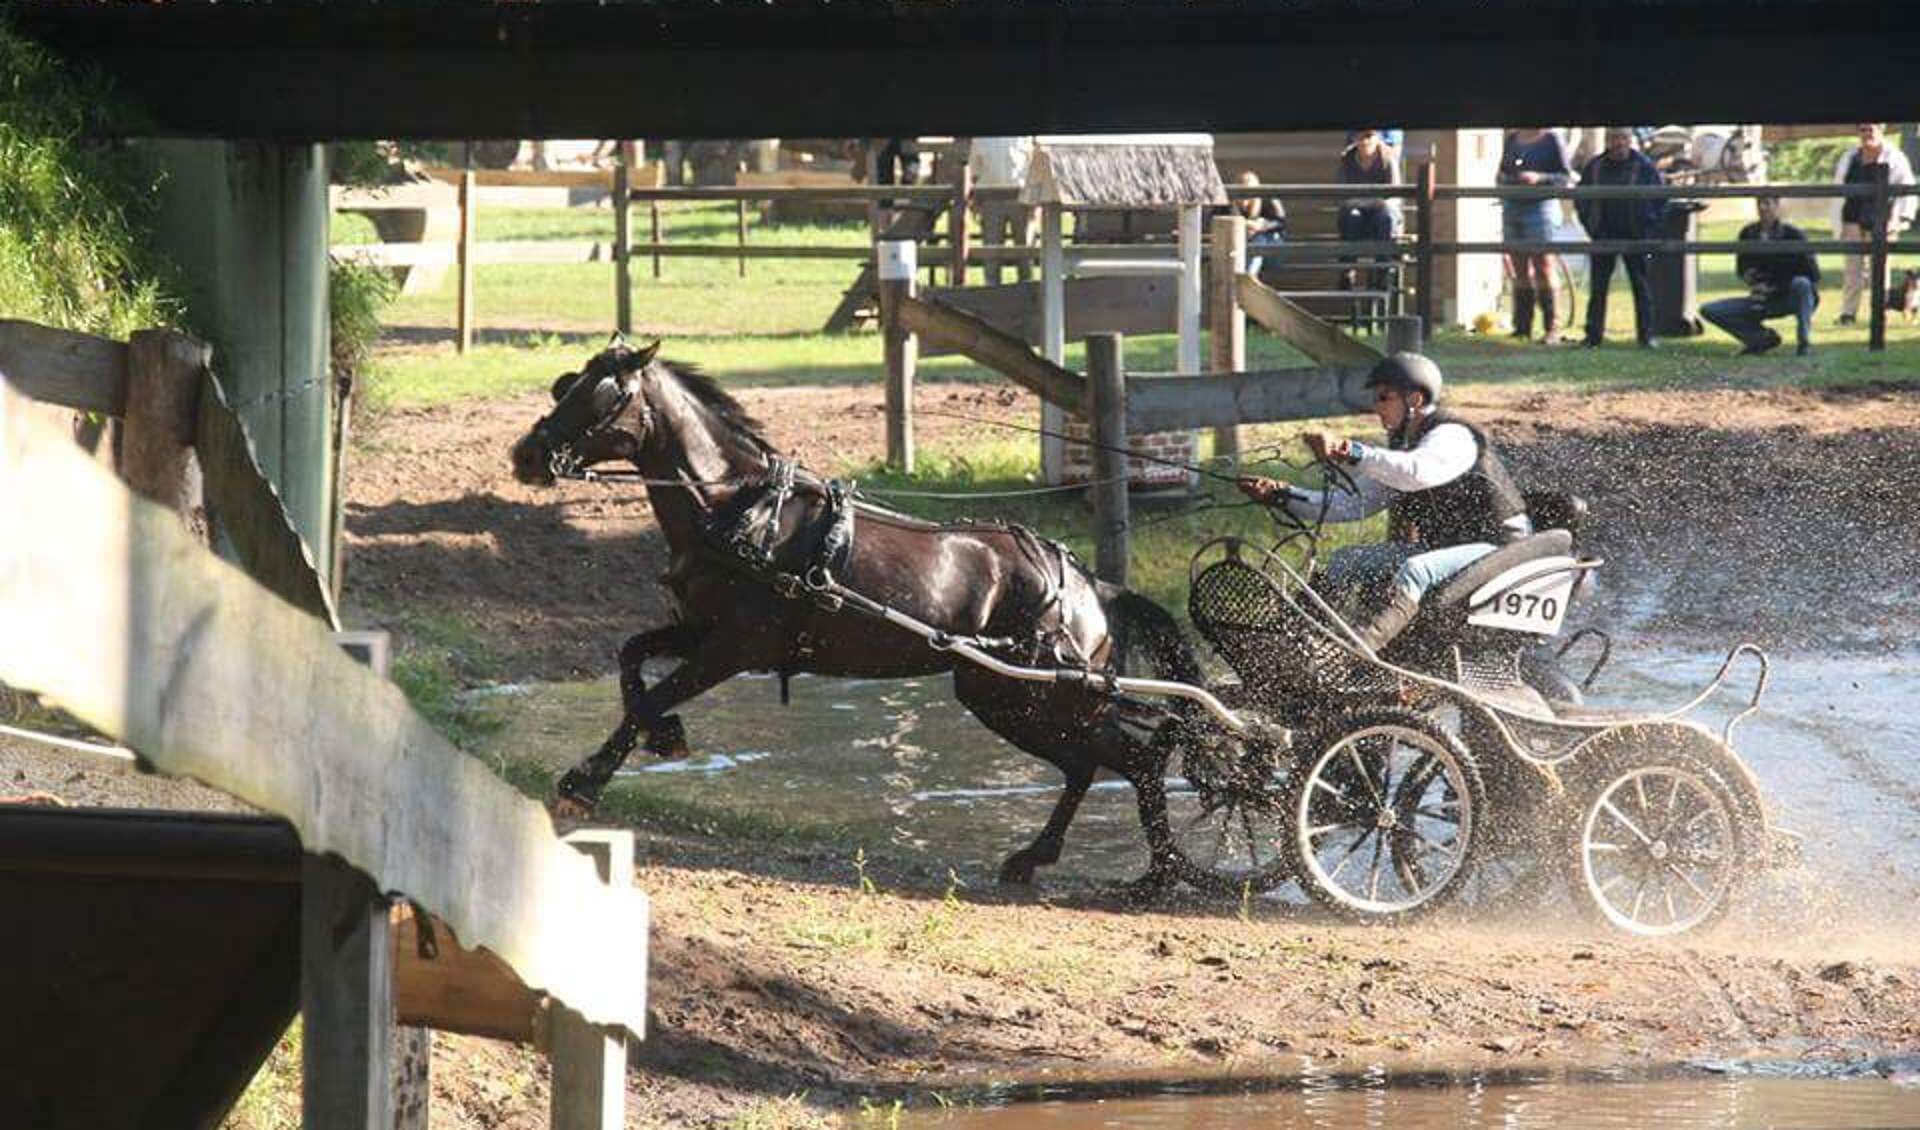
[(346, 999), (874, 220), (1227, 322), (410, 1074), (623, 240), (1053, 338), (164, 371), (465, 313), (655, 208), (590, 1061), (1188, 303), (957, 225), (1404, 334), (1883, 216), (1107, 419), (740, 226), (897, 266), (1423, 249)]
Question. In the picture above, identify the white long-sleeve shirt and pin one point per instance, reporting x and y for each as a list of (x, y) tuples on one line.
[(1899, 171), (1445, 452)]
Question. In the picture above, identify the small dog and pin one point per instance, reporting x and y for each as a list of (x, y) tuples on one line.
[(1904, 295)]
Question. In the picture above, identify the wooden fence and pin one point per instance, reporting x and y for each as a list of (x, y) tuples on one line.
[(1118, 406), (1420, 247), (119, 613)]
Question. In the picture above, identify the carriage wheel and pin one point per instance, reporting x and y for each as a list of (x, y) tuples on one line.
[(1223, 810), (1382, 813), (1665, 835), (1519, 839)]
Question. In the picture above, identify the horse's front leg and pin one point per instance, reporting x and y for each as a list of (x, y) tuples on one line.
[(1045, 848), (579, 788)]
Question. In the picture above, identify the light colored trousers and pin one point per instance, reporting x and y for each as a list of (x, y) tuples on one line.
[(1857, 282), (1357, 570)]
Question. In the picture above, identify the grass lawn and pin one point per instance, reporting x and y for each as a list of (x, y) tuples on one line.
[(763, 331)]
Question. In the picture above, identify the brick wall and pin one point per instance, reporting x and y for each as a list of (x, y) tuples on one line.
[(1178, 446)]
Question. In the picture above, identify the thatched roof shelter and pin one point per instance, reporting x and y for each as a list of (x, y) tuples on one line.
[(1144, 170)]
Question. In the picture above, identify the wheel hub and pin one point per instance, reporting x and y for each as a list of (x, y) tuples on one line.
[(1658, 849), (1385, 820)]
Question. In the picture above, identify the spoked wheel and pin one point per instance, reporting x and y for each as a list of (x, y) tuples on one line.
[(1382, 814), (1224, 812), (1666, 834)]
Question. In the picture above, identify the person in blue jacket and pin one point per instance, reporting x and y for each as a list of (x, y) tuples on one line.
[(1620, 164)]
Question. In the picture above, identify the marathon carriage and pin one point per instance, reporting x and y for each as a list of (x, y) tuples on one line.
[(1458, 757), (1385, 784)]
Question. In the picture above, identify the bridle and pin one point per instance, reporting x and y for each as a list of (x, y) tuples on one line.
[(563, 461)]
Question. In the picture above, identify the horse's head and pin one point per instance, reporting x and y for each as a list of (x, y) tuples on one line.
[(598, 414)]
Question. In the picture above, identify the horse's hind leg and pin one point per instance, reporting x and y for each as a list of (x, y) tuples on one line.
[(1045, 849), (666, 737)]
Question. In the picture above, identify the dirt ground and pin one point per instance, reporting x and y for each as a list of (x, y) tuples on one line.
[(792, 981)]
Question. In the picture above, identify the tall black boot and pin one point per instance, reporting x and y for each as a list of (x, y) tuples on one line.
[(1549, 316), (1522, 311), (1389, 622)]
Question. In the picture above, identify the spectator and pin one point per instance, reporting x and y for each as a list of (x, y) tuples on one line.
[(1001, 163), (1620, 164), (1266, 221), (1781, 282), (1857, 218), (1368, 219), (1390, 139), (1535, 156)]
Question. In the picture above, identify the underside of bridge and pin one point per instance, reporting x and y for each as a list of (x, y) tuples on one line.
[(790, 68)]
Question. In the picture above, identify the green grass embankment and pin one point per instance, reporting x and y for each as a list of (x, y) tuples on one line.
[(72, 252)]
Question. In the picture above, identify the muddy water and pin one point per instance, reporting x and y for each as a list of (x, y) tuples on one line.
[(1694, 1102), (900, 765), (897, 764)]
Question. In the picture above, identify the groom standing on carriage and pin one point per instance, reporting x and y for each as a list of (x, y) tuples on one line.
[(1449, 498)]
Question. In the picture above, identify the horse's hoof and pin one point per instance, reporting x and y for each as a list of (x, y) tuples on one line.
[(1017, 871), (668, 739), (571, 799), (1148, 888), (569, 808)]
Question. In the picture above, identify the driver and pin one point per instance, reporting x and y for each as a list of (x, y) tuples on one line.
[(1448, 497)]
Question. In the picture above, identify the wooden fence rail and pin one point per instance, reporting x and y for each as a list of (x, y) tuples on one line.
[(120, 615)]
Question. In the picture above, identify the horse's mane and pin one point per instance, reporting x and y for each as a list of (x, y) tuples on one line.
[(706, 390), (718, 401)]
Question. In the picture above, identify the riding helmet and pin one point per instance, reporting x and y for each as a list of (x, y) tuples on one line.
[(1408, 371)]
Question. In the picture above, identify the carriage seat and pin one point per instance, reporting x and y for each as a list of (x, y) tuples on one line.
[(1555, 510), (1462, 585)]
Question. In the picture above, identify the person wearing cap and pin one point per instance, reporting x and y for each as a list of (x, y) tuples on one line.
[(1448, 496)]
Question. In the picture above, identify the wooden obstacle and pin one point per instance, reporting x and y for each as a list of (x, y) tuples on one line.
[(120, 615), (1124, 405)]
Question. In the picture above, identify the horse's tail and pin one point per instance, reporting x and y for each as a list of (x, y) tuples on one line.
[(1147, 638)]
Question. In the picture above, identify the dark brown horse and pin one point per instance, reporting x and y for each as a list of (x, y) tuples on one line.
[(748, 532)]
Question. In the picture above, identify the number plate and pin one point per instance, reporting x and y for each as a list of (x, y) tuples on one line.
[(1538, 606)]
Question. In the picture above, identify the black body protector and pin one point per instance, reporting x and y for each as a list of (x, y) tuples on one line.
[(1472, 508)]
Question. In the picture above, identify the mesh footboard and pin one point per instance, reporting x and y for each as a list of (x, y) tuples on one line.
[(1266, 637)]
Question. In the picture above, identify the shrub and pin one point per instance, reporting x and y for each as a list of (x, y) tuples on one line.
[(70, 250)]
